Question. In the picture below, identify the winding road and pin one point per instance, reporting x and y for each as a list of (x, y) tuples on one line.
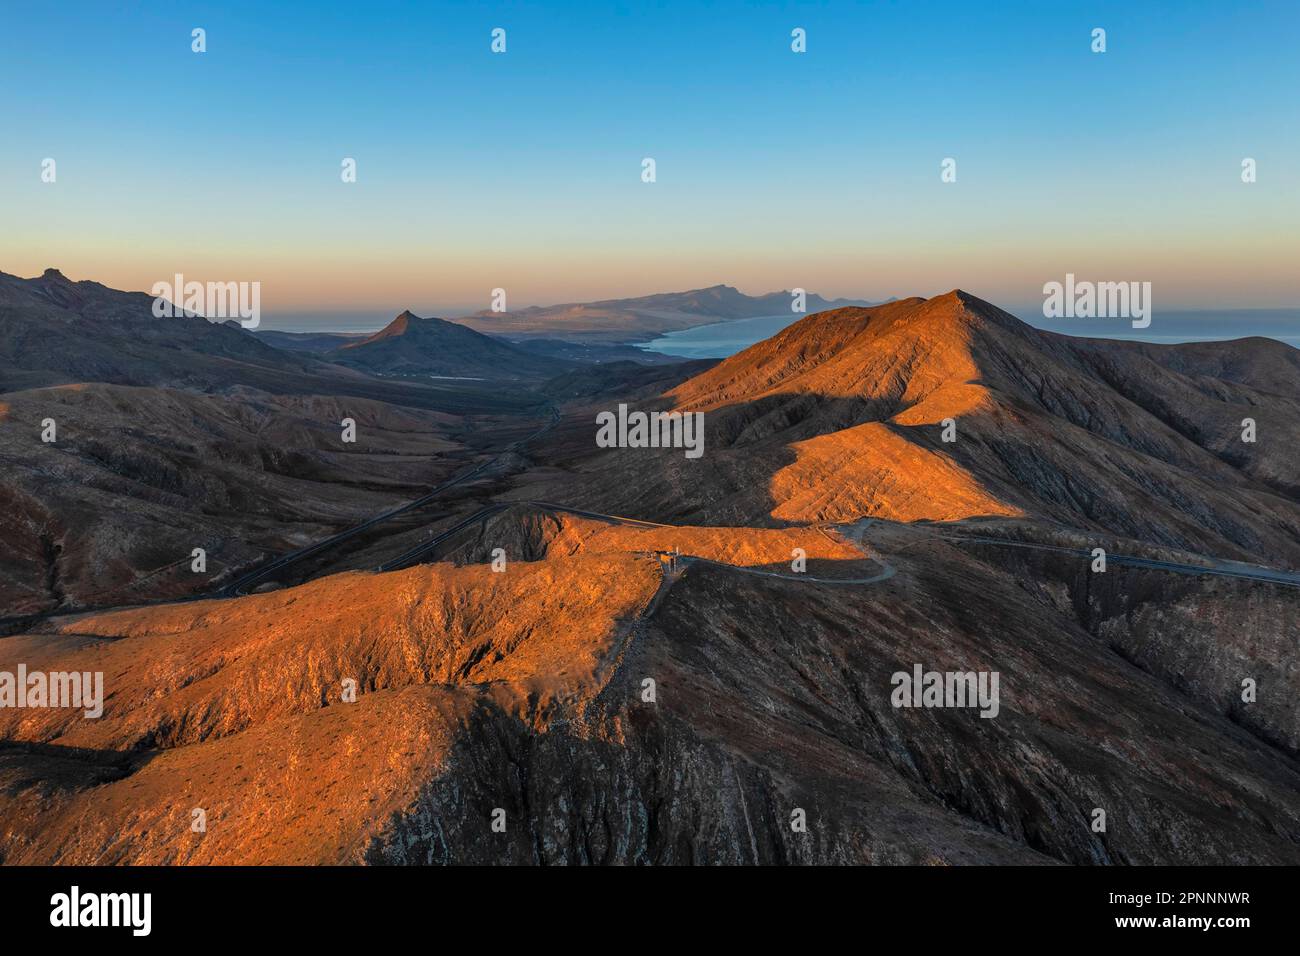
[(241, 585), (415, 554), (1219, 566)]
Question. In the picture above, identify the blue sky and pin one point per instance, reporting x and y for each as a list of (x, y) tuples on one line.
[(775, 169)]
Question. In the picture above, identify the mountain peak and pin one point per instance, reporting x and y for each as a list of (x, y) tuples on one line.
[(403, 324), (414, 345), (855, 350), (54, 275), (961, 301), (961, 297)]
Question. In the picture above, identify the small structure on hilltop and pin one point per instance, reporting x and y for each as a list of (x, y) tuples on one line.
[(672, 559)]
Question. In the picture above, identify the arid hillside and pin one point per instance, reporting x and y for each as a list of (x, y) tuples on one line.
[(137, 478), (622, 655), (843, 415), (55, 331), (522, 695)]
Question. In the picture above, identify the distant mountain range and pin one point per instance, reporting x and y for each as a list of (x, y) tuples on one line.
[(645, 317), (55, 331), (411, 345)]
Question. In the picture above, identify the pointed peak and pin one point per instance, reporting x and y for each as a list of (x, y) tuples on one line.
[(400, 325), (54, 275), (407, 323), (953, 302), (962, 306)]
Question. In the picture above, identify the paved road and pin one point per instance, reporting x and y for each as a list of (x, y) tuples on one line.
[(419, 551), (415, 554), (1219, 566), (241, 585)]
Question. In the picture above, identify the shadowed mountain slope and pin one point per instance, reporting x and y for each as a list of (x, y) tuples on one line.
[(843, 415), (525, 690), (57, 332), (410, 345), (139, 477), (53, 331)]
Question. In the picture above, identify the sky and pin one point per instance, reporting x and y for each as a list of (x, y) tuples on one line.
[(774, 169)]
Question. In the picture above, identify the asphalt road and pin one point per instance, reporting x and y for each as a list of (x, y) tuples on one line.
[(415, 554), (1219, 566), (241, 585)]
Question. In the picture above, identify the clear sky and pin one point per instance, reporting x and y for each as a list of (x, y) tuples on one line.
[(774, 169)]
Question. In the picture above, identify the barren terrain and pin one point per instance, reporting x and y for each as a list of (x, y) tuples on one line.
[(634, 657)]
